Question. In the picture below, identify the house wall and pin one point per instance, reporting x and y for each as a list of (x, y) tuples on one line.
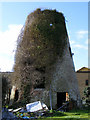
[(82, 77)]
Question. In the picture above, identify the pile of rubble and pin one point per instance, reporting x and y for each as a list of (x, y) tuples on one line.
[(31, 111)]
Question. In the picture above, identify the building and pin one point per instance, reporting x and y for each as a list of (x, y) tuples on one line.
[(44, 69), (83, 77)]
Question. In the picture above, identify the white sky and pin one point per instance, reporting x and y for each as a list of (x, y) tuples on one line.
[(8, 44)]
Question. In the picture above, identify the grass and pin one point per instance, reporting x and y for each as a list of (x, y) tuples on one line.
[(64, 118), (71, 115)]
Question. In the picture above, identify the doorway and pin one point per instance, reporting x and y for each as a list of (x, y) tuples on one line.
[(61, 97), (16, 95)]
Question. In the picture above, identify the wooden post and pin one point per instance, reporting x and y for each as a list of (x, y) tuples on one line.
[(50, 94)]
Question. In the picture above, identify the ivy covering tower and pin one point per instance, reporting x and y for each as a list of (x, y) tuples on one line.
[(43, 60)]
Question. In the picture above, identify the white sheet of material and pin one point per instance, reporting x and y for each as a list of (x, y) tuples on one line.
[(33, 107)]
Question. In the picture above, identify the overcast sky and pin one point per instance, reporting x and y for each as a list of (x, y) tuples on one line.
[(13, 16)]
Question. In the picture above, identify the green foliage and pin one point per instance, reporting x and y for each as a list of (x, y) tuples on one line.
[(45, 38), (48, 35), (51, 111), (21, 115), (4, 88), (87, 91), (87, 94), (26, 94), (58, 113)]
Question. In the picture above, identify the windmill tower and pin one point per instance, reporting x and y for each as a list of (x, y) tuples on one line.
[(44, 66)]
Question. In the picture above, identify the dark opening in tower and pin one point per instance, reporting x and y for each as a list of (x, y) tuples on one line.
[(16, 95), (61, 98)]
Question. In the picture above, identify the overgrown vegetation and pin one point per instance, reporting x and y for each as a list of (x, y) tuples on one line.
[(71, 115), (43, 41), (87, 96), (57, 115), (6, 87)]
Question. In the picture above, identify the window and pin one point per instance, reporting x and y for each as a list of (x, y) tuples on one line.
[(86, 82), (71, 54), (39, 84)]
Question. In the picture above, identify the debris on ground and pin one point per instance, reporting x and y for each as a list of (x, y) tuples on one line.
[(16, 110), (36, 106), (33, 107), (31, 111), (8, 115)]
